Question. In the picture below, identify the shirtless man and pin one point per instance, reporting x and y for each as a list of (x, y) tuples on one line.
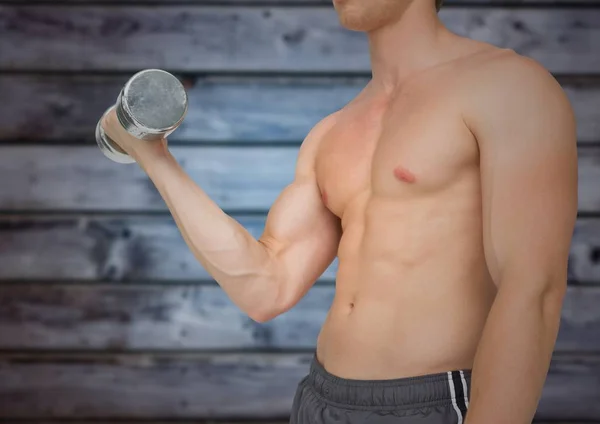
[(448, 190)]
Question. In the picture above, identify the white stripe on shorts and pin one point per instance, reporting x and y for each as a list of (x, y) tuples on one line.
[(464, 383), (453, 394)]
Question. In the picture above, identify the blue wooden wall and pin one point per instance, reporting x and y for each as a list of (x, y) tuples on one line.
[(104, 313)]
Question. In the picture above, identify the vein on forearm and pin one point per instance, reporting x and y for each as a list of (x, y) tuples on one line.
[(235, 259)]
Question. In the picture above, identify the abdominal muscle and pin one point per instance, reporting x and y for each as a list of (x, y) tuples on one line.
[(412, 292)]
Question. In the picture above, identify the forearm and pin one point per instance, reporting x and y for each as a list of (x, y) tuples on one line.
[(236, 260), (514, 354)]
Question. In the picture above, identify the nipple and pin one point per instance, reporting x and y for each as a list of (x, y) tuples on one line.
[(404, 174), (324, 197)]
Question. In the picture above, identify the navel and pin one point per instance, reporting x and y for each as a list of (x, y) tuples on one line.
[(404, 174)]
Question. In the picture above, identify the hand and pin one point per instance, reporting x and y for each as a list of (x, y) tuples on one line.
[(134, 147)]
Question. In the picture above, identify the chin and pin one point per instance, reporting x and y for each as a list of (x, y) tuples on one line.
[(356, 17)]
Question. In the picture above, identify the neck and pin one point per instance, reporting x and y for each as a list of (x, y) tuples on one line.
[(402, 47)]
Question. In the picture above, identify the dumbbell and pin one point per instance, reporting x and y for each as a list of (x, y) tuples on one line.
[(150, 107)]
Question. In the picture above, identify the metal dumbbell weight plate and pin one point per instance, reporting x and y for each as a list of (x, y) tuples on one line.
[(150, 107)]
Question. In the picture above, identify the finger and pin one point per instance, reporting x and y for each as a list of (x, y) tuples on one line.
[(112, 122), (113, 127)]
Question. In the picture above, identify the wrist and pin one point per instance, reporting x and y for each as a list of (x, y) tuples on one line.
[(152, 154)]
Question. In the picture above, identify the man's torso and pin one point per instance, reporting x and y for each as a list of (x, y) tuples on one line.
[(402, 174)]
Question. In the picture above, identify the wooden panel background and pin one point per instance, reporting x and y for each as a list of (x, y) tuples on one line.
[(104, 313)]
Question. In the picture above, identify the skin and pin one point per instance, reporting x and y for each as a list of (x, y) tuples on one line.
[(448, 190)]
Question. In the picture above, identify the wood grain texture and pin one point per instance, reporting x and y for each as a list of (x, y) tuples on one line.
[(222, 109), (205, 385), (150, 248), (589, 176), (149, 386), (572, 390), (126, 248), (134, 317), (60, 178), (253, 421), (175, 317), (81, 178), (584, 258), (215, 38), (451, 3)]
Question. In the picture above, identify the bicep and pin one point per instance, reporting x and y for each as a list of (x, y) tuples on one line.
[(301, 234), (528, 163)]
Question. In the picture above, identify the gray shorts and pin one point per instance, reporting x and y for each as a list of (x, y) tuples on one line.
[(323, 398)]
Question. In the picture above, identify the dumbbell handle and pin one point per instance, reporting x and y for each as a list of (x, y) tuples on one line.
[(150, 107), (108, 146)]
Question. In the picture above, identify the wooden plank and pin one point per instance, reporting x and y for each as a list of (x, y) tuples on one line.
[(138, 317), (189, 421), (452, 3), (126, 317), (192, 421), (222, 109), (580, 320), (67, 108), (203, 386), (150, 248), (239, 422), (102, 248), (572, 390), (252, 421), (585, 99), (215, 38), (148, 386), (81, 178), (589, 175), (59, 178), (584, 259), (235, 422)]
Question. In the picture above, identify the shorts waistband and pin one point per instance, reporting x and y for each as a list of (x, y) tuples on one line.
[(410, 392)]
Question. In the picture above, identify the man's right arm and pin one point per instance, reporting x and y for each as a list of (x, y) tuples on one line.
[(263, 277)]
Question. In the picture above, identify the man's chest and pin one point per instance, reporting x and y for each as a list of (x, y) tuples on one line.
[(410, 147)]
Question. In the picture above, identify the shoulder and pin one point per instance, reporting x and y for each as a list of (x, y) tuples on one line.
[(509, 92), (322, 127), (318, 132), (505, 70), (308, 149)]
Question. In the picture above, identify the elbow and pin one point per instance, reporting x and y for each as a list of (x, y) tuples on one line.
[(548, 286), (549, 295), (269, 307), (554, 288), (553, 298), (277, 296), (265, 313), (279, 302), (262, 317)]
